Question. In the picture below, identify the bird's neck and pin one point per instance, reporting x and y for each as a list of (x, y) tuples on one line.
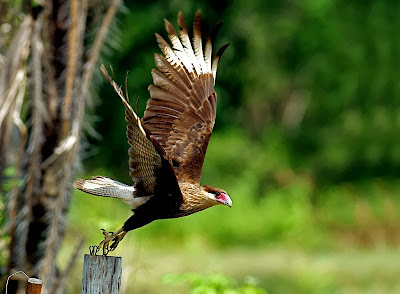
[(194, 199)]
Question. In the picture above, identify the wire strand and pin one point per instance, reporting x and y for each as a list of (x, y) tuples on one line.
[(15, 274)]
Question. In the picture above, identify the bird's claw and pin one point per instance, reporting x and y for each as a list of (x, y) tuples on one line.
[(93, 249), (104, 243), (108, 237)]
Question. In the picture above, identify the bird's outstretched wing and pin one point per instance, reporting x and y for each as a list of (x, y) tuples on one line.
[(144, 160), (180, 115)]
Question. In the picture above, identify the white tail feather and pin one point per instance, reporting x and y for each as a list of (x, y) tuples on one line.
[(107, 187)]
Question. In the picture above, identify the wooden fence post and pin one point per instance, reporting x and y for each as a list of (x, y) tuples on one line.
[(101, 274), (34, 286)]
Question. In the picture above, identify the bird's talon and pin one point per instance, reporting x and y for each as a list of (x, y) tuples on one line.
[(113, 246), (93, 250), (115, 238), (106, 250)]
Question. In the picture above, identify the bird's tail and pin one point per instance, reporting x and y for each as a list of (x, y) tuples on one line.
[(105, 187)]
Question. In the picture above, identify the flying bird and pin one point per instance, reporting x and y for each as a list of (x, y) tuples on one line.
[(168, 145)]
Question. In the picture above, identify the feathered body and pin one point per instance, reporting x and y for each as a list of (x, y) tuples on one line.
[(168, 145)]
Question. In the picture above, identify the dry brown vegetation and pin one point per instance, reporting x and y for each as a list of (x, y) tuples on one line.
[(47, 59)]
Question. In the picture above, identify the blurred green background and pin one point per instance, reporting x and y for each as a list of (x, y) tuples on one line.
[(306, 144)]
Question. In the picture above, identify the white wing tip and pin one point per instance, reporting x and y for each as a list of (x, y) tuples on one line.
[(182, 53)]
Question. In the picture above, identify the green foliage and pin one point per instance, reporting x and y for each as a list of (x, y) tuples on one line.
[(307, 115), (10, 181), (321, 82), (214, 284), (305, 141)]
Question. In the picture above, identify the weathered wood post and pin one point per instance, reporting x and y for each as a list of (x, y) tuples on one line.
[(101, 274), (34, 286)]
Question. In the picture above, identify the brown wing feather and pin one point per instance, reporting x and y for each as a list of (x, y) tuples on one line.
[(180, 115), (144, 160)]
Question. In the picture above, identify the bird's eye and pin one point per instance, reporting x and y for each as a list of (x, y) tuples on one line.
[(217, 194)]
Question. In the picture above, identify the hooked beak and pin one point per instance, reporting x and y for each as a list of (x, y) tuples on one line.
[(228, 200)]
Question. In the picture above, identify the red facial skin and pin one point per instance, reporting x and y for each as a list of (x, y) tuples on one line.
[(224, 198)]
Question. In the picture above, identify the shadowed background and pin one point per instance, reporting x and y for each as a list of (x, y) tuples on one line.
[(305, 143)]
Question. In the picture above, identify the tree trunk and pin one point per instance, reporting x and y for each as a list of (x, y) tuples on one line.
[(46, 72)]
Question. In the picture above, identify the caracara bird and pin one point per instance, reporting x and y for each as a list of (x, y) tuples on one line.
[(168, 145)]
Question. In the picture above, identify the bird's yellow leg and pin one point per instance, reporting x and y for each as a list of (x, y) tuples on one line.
[(108, 237)]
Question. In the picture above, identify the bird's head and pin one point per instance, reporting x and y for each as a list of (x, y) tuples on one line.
[(217, 194)]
